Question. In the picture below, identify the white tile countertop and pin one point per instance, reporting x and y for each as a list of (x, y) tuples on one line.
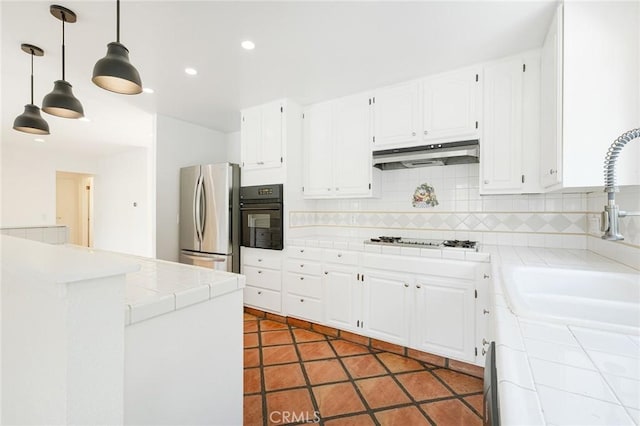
[(561, 374), (159, 286)]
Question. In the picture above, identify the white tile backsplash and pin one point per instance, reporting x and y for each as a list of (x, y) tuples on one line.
[(557, 220)]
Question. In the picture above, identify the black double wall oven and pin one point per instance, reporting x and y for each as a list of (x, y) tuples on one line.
[(262, 212)]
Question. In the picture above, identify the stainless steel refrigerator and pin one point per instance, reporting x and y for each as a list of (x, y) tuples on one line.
[(210, 216)]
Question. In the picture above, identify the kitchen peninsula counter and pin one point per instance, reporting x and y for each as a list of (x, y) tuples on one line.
[(70, 354)]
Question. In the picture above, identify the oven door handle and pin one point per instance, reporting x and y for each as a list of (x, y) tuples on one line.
[(274, 207)]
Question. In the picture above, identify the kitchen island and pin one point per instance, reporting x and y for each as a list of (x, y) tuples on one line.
[(72, 354)]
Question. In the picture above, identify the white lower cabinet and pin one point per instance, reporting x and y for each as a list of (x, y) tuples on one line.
[(391, 298), (445, 317), (386, 306), (263, 269), (303, 284), (343, 297)]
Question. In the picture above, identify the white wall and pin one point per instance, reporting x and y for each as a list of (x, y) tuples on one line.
[(179, 144), (120, 182), (29, 181), (233, 147)]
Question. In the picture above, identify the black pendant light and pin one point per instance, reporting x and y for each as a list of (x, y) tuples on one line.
[(114, 72), (30, 121), (60, 101)]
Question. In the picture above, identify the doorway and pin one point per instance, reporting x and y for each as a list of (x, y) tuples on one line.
[(74, 206)]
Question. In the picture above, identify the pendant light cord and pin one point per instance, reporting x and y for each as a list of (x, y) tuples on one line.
[(63, 19), (31, 76), (118, 21)]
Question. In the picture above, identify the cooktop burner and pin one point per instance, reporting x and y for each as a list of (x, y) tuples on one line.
[(458, 243), (416, 242)]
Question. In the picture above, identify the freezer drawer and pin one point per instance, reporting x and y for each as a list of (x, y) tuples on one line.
[(211, 261)]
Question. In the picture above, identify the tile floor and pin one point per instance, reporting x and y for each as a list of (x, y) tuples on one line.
[(292, 375)]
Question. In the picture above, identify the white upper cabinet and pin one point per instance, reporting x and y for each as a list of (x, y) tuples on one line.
[(451, 106), (352, 146), (509, 146), (261, 136), (501, 147), (318, 150), (551, 105), (337, 149), (396, 115), (594, 88)]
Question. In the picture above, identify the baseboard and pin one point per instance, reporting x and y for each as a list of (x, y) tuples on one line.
[(436, 360)]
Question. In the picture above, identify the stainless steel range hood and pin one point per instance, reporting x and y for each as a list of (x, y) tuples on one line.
[(443, 154)]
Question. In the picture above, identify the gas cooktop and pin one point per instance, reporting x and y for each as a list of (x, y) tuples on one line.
[(425, 243)]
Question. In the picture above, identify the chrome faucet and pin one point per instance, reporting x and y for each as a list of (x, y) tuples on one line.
[(609, 223)]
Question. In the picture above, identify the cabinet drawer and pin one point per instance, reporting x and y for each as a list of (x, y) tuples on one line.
[(262, 258), (304, 285), (304, 307), (309, 253), (341, 257), (303, 267), (261, 277), (263, 299)]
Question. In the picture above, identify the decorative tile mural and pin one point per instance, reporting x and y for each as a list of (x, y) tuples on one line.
[(424, 196)]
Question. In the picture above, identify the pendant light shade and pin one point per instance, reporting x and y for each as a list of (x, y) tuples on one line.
[(30, 121), (61, 102), (114, 72)]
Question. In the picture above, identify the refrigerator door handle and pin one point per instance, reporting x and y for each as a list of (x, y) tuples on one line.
[(203, 207), (197, 199)]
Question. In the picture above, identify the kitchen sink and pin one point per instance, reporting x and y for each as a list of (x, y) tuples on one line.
[(602, 300)]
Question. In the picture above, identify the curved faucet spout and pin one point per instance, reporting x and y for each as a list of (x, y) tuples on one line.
[(612, 214)]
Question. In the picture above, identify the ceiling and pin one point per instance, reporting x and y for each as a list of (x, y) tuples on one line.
[(306, 51)]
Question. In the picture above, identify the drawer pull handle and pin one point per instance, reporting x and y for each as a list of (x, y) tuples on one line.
[(302, 300), (418, 286), (486, 276), (484, 311), (326, 272), (302, 265), (406, 285), (302, 251), (339, 254), (301, 278), (259, 260), (259, 292), (259, 272)]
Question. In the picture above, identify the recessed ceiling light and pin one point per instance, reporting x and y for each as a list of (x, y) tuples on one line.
[(191, 71), (248, 45), (85, 119), (39, 140), (148, 90)]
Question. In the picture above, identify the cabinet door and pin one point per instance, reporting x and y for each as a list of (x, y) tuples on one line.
[(250, 137), (318, 150), (343, 296), (271, 129), (396, 116), (551, 105), (501, 145), (446, 318), (386, 307), (352, 146), (450, 106)]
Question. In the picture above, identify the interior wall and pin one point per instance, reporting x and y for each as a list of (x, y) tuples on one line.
[(29, 181), (233, 147), (122, 204), (179, 144)]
